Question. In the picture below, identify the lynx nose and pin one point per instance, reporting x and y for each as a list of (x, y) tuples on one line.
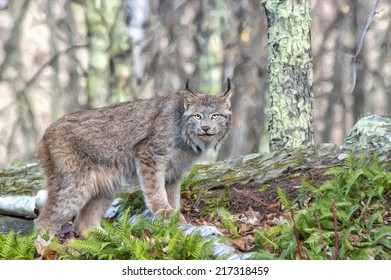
[(205, 128)]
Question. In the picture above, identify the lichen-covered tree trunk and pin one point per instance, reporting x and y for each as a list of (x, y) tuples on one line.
[(290, 71)]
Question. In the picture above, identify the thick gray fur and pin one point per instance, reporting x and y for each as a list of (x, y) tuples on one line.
[(86, 156)]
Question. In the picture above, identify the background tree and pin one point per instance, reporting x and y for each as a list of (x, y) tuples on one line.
[(290, 74), (109, 64)]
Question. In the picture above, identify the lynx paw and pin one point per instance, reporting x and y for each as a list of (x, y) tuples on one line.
[(166, 214)]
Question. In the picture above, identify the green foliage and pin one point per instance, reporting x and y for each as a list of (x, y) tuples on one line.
[(229, 222), (188, 181), (16, 247), (142, 240), (216, 203), (134, 201), (285, 202), (358, 190)]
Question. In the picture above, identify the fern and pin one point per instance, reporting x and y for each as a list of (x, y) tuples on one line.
[(229, 222), (25, 247), (286, 203), (358, 188), (16, 247), (7, 246), (142, 240)]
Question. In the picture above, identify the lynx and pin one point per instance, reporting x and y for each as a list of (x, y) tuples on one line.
[(86, 156)]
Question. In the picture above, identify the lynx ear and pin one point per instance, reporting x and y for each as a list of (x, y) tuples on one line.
[(226, 96), (189, 96)]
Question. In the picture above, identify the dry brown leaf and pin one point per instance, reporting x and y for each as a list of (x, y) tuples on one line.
[(239, 243)]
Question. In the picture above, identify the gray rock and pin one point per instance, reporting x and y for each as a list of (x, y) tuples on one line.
[(8, 224)]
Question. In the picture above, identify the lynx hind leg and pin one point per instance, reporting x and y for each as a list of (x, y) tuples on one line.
[(60, 208), (99, 190), (91, 214), (61, 204)]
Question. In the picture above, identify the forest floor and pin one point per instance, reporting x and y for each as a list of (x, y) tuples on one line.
[(357, 203), (252, 206)]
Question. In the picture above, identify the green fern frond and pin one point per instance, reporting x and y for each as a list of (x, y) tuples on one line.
[(88, 247), (352, 180), (16, 247), (25, 247), (7, 246), (262, 255), (142, 250), (229, 222), (197, 248), (286, 203), (383, 233), (371, 220), (122, 225), (266, 240)]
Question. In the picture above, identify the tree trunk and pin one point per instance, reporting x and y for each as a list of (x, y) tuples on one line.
[(243, 40), (109, 62), (290, 71)]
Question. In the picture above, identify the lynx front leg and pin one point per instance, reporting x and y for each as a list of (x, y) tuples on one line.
[(174, 197), (174, 194), (151, 175)]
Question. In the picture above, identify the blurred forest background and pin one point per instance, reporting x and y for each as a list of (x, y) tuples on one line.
[(61, 56)]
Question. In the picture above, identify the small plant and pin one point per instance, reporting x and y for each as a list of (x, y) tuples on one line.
[(134, 201), (215, 203), (228, 222)]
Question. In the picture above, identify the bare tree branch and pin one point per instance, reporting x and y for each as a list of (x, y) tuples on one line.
[(53, 59), (361, 42)]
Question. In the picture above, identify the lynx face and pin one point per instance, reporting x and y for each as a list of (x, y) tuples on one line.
[(207, 119)]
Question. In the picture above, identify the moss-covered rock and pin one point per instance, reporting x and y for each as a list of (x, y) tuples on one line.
[(371, 132)]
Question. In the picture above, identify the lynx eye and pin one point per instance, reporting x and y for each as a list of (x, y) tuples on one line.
[(197, 117), (214, 116)]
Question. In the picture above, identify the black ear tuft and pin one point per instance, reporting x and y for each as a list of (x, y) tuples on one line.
[(189, 96), (187, 85), (189, 90), (228, 86)]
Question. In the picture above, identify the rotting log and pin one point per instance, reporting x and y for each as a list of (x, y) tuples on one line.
[(254, 168)]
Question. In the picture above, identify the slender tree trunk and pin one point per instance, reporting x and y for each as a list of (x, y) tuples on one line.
[(290, 71), (210, 46), (109, 62), (243, 38)]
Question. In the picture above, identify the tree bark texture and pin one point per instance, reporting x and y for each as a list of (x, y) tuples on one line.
[(290, 70)]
